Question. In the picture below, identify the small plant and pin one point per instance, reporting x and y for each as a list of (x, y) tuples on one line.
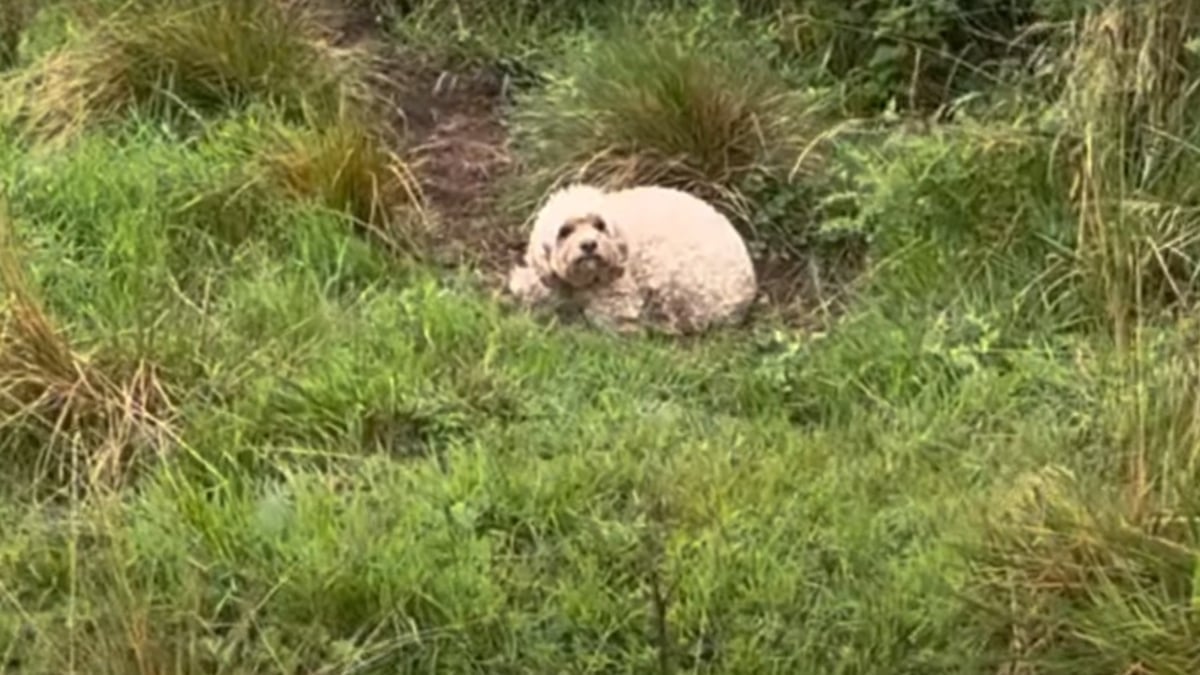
[(663, 102)]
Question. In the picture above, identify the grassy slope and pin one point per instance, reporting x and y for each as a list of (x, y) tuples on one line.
[(376, 466)]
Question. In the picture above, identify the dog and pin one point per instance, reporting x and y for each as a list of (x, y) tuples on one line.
[(642, 257)]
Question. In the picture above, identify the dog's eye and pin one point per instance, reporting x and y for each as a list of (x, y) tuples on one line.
[(600, 225), (564, 231)]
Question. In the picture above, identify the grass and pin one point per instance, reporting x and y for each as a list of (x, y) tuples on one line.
[(16, 18), (242, 437), (667, 99), (516, 37), (187, 59), (1129, 101), (345, 167)]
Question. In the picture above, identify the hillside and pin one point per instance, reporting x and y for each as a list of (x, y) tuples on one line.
[(265, 409)]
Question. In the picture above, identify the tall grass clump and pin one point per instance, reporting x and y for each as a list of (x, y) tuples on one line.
[(1089, 564), (64, 416), (670, 99), (1129, 107), (187, 59), (347, 167)]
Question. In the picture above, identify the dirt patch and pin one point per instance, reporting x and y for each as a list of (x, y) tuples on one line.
[(452, 126), (460, 144)]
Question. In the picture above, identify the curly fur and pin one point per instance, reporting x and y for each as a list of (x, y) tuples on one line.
[(646, 256)]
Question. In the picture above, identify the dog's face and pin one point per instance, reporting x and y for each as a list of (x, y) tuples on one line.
[(587, 252)]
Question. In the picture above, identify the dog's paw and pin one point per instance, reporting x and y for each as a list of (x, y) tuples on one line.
[(528, 288)]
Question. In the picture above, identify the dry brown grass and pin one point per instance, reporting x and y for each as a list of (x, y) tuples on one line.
[(1128, 99), (349, 167), (64, 416)]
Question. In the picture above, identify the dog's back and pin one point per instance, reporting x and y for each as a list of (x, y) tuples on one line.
[(685, 248)]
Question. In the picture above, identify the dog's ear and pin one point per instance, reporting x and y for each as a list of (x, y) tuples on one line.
[(622, 244), (538, 258), (620, 262)]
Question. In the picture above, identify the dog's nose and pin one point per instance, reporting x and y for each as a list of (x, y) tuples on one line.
[(588, 246)]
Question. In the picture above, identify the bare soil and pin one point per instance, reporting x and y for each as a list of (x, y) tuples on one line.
[(455, 123)]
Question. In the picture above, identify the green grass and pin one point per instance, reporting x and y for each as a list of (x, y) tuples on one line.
[(17, 16), (247, 430), (516, 37)]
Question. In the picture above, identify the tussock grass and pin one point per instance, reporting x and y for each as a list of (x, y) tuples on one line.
[(346, 165), (349, 168), (190, 58), (666, 101), (86, 422)]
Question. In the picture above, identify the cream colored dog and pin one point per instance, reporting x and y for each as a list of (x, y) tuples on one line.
[(640, 257)]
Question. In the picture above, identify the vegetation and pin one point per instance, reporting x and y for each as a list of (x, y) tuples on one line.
[(187, 58), (669, 99), (249, 427)]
